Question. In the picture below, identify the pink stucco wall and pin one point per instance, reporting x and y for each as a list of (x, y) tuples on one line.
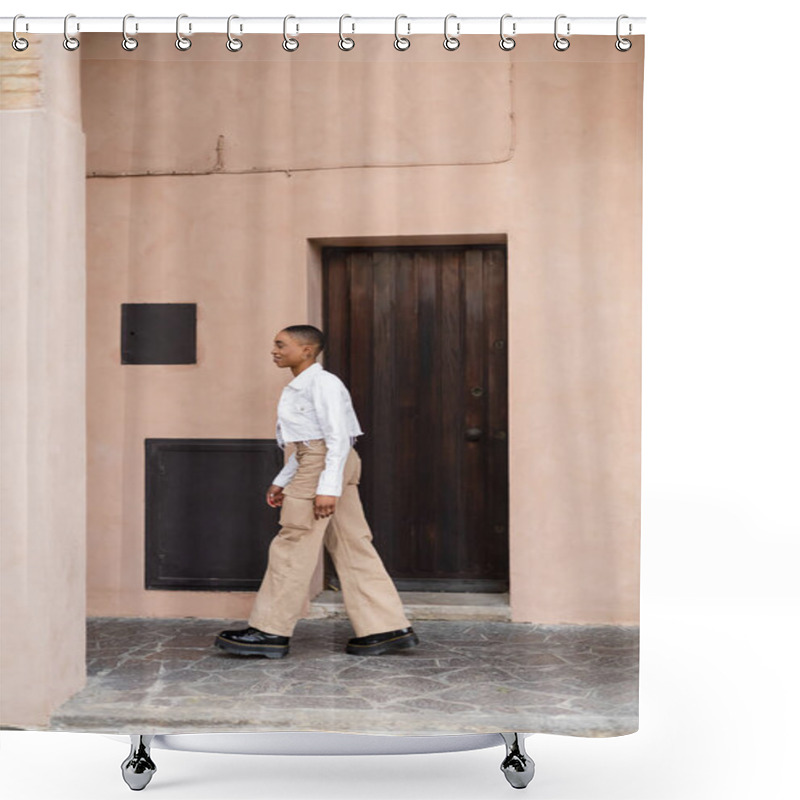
[(42, 380), (215, 177)]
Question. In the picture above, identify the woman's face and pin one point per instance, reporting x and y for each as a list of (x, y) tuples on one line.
[(288, 352)]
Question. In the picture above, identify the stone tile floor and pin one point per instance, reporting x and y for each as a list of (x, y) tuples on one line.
[(165, 676)]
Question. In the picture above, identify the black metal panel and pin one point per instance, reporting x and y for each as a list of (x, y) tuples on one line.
[(159, 333), (207, 522)]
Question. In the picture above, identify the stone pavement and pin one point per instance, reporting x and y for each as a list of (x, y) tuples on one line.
[(165, 676)]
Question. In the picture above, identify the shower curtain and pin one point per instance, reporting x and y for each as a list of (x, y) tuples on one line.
[(464, 227)]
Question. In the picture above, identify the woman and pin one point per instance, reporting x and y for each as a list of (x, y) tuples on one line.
[(319, 485)]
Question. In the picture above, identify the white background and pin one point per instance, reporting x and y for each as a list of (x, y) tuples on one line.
[(719, 698)]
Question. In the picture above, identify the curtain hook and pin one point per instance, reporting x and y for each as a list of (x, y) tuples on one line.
[(182, 43), (70, 42), (623, 45), (506, 42), (233, 44), (346, 43), (289, 42), (18, 43), (451, 42), (400, 42), (560, 42), (128, 42)]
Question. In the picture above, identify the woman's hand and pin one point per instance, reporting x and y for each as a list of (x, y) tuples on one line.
[(275, 495), (324, 505)]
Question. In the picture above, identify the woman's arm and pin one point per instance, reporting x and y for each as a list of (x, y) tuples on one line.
[(288, 471), (331, 411)]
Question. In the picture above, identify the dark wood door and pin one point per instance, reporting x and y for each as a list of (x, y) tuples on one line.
[(419, 335)]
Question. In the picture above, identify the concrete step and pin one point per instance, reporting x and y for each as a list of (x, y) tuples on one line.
[(427, 605)]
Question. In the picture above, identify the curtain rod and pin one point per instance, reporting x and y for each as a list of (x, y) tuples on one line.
[(402, 25)]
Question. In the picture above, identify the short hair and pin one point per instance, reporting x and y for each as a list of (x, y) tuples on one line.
[(308, 334)]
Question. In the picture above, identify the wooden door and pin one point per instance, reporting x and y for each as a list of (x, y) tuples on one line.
[(419, 336)]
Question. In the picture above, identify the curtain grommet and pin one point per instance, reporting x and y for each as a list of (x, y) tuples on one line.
[(182, 43), (506, 42), (70, 42), (128, 42), (623, 45), (560, 43), (451, 42), (290, 43), (400, 42), (18, 43), (345, 42), (233, 44)]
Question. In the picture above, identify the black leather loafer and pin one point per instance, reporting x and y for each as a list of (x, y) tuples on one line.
[(377, 643), (253, 642)]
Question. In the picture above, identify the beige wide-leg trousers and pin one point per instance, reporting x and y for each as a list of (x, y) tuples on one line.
[(369, 594)]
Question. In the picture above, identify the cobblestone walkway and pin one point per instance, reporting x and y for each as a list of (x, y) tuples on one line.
[(165, 676)]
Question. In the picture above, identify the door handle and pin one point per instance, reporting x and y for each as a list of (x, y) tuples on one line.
[(473, 434)]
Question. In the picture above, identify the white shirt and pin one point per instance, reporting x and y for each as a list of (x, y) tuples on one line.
[(316, 404)]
